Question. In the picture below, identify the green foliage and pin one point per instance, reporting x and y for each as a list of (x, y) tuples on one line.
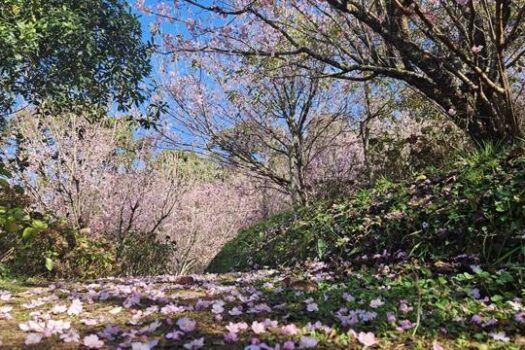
[(71, 52), (143, 256), (91, 257), (191, 166), (410, 150), (478, 210), (33, 245), (57, 251)]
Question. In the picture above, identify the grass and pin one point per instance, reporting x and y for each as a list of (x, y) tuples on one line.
[(477, 211)]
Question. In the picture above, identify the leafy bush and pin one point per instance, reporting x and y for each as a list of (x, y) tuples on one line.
[(476, 213), (144, 255), (32, 244)]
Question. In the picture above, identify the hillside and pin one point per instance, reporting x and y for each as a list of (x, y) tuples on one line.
[(473, 214)]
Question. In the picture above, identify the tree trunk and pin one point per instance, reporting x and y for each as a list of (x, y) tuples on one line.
[(297, 188), (492, 120)]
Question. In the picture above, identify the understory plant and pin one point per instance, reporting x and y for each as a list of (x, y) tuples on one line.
[(467, 216)]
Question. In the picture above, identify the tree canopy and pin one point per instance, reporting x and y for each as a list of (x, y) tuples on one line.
[(465, 56), (65, 53)]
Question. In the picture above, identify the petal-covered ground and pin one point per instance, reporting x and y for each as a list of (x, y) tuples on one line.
[(267, 310)]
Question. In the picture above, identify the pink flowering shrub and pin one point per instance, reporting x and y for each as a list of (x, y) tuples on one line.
[(211, 213), (161, 211)]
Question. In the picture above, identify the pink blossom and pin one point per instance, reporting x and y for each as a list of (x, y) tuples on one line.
[(170, 308), (476, 319), (33, 338), (500, 336), (290, 329), (367, 339), (307, 342), (288, 345), (475, 293), (144, 345), (109, 331), (89, 321), (202, 304), (5, 296), (270, 323), (132, 300), (186, 324), (404, 308), (236, 327), (348, 297), (5, 312), (116, 310), (236, 311), (258, 327), (70, 337), (263, 307), (312, 307), (93, 342), (375, 303), (230, 337), (175, 335), (59, 309), (195, 344), (75, 308), (218, 307), (477, 49), (390, 317), (437, 346)]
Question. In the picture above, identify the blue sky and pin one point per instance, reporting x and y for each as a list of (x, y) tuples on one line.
[(146, 22)]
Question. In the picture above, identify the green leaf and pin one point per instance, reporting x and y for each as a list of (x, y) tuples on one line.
[(49, 264), (28, 232), (321, 248), (442, 304), (496, 298), (39, 225), (421, 177)]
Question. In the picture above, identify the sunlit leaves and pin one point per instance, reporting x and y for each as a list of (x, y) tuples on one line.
[(70, 54)]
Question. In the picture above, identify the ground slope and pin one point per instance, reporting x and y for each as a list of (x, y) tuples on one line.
[(473, 213)]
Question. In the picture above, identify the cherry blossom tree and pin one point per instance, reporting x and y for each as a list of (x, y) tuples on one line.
[(97, 175), (141, 198), (110, 180), (62, 162), (464, 56), (271, 128), (212, 213)]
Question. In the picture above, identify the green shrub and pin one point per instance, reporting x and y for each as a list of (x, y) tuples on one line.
[(36, 245), (477, 210), (55, 251), (143, 255), (90, 258)]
